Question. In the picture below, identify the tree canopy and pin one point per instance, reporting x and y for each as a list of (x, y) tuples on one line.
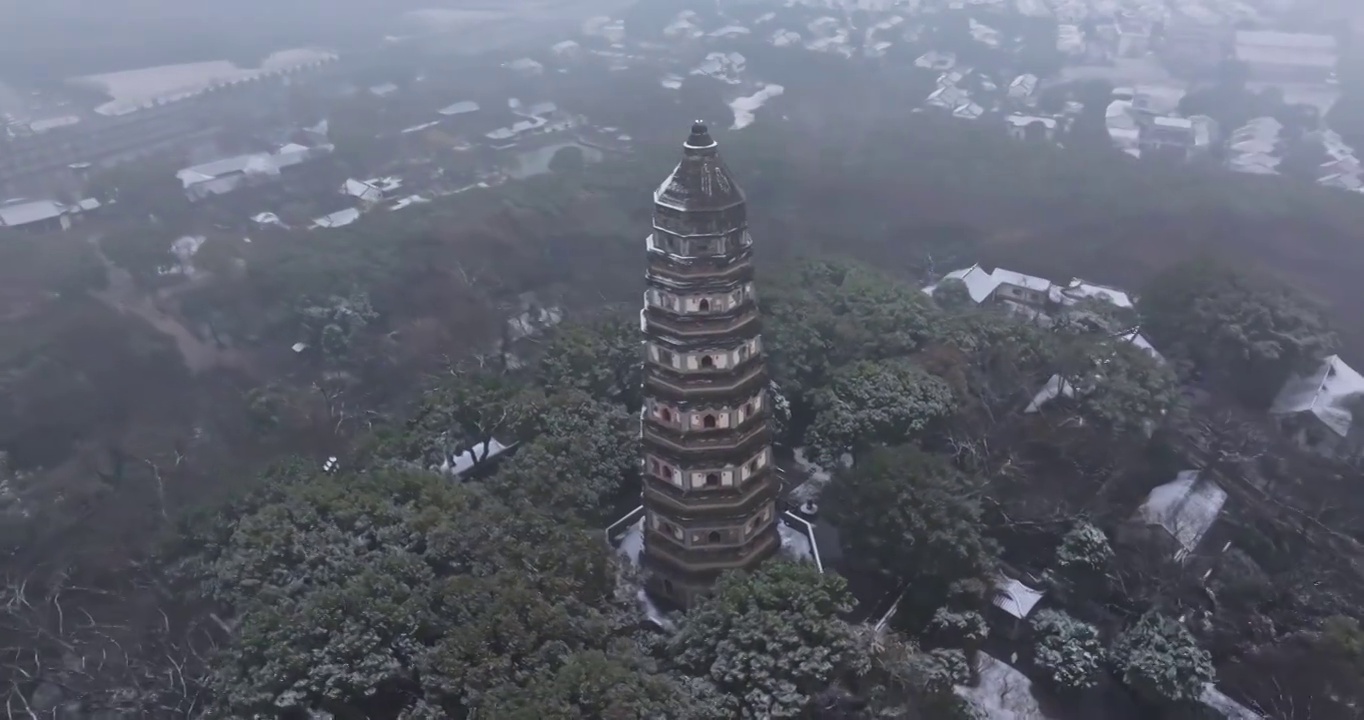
[(398, 595), (583, 458), (926, 524), (1241, 329), (1159, 659), (872, 403), (771, 639)]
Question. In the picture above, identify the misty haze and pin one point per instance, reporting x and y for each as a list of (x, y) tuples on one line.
[(682, 360)]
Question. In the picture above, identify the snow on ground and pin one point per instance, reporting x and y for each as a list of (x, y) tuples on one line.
[(632, 549), (813, 487), (1003, 693), (744, 107), (795, 544)]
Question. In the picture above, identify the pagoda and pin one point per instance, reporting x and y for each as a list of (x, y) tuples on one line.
[(710, 487)]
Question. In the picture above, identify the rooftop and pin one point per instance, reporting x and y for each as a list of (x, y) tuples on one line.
[(459, 108), (1015, 598), (979, 284), (457, 465), (340, 218), (1018, 279), (1328, 393), (700, 182), (1185, 508), (25, 213)]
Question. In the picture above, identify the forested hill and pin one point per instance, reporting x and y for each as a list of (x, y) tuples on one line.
[(116, 430)]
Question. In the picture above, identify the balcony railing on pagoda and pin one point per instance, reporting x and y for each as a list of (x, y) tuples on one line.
[(685, 505)]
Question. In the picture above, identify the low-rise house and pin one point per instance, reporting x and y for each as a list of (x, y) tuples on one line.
[(1023, 291), (968, 111), (525, 66), (984, 34), (223, 176), (340, 218), (1255, 163), (980, 284), (1021, 126), (1022, 288), (725, 67), (1078, 290), (462, 464), (1317, 409), (1023, 87), (1014, 598), (362, 191), (1167, 134), (948, 98), (35, 216), (463, 107), (1206, 132), (1180, 511)]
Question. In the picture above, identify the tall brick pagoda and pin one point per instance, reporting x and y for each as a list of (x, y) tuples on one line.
[(710, 486)]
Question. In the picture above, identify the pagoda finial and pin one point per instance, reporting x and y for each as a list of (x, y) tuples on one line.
[(699, 139)]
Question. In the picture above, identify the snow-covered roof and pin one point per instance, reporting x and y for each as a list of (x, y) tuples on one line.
[(1179, 123), (1023, 85), (525, 65), (1018, 120), (1135, 337), (1185, 508), (968, 111), (979, 284), (459, 464), (419, 128), (1018, 279), (29, 212), (408, 201), (1326, 393), (252, 163), (337, 219), (360, 189), (1056, 386), (1079, 289), (460, 108), (1015, 598)]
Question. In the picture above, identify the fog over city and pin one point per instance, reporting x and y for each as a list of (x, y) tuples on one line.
[(682, 359)]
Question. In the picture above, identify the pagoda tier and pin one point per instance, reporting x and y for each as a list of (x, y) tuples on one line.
[(710, 490)]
